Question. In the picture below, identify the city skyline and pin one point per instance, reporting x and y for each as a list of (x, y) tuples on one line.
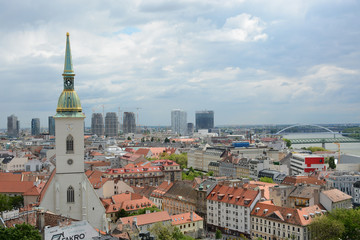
[(252, 62)]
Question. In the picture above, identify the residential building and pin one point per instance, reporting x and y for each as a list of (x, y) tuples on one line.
[(180, 198), (189, 224), (258, 164), (157, 194), (356, 193), (13, 126), (190, 129), (343, 181), (145, 221), (128, 201), (97, 124), (179, 121), (35, 126), (51, 125), (229, 208), (304, 196), (214, 167), (276, 176), (306, 163), (11, 164), (129, 124), (148, 173), (273, 222), (204, 119), (200, 158), (111, 124), (334, 198)]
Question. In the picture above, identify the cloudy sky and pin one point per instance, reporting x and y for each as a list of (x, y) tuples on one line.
[(251, 61)]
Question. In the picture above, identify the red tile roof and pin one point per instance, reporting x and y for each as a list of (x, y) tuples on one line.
[(96, 178), (127, 201), (185, 218), (15, 187), (233, 195), (7, 177), (149, 218), (295, 180), (293, 216)]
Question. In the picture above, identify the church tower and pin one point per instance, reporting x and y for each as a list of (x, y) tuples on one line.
[(68, 191)]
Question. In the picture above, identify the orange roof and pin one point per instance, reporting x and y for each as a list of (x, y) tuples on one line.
[(264, 187), (98, 163), (15, 187), (293, 216), (47, 185), (9, 177), (96, 179), (233, 195), (149, 218), (335, 195), (162, 189), (127, 201), (295, 180), (93, 153), (34, 191), (185, 218), (142, 151)]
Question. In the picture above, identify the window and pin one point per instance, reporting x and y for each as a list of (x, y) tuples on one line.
[(70, 194), (69, 144)]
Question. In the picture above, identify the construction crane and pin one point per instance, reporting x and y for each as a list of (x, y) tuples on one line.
[(338, 144)]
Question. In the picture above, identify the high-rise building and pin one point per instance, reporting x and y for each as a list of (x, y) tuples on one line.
[(111, 124), (204, 119), (69, 192), (129, 125), (51, 126), (97, 124), (13, 126), (35, 126), (178, 121), (190, 128)]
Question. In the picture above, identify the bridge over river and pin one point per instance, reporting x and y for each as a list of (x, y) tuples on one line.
[(324, 140)]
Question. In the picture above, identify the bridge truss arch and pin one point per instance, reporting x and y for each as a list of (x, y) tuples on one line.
[(299, 125)]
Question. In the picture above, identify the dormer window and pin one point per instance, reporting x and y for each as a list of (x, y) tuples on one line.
[(69, 144)]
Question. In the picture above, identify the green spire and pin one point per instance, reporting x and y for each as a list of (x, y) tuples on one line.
[(68, 66)]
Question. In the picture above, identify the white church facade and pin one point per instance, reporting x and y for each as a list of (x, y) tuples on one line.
[(69, 191)]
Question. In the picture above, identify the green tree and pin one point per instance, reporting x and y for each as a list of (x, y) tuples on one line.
[(218, 234), (266, 179), (338, 224), (325, 227), (316, 149), (121, 213), (332, 164), (20, 231), (166, 140), (5, 203), (288, 142), (129, 138), (152, 139)]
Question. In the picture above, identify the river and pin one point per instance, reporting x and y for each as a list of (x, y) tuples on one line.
[(349, 148)]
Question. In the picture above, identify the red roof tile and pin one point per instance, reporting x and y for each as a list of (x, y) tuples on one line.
[(147, 218)]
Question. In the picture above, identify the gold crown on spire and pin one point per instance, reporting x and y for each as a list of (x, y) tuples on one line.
[(67, 34)]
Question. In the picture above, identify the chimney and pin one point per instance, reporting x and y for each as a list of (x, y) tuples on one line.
[(134, 221), (191, 216)]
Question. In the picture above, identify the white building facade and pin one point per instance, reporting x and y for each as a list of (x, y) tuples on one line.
[(179, 121), (69, 191)]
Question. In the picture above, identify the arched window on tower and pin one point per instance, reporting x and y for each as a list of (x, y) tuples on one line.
[(69, 144), (70, 195)]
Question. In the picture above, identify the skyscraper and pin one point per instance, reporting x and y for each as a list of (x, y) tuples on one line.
[(204, 119), (51, 126), (129, 125), (97, 124), (111, 124), (178, 121), (13, 126), (190, 129), (35, 126)]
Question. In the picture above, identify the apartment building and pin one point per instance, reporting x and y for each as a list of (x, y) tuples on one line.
[(229, 208), (272, 222)]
